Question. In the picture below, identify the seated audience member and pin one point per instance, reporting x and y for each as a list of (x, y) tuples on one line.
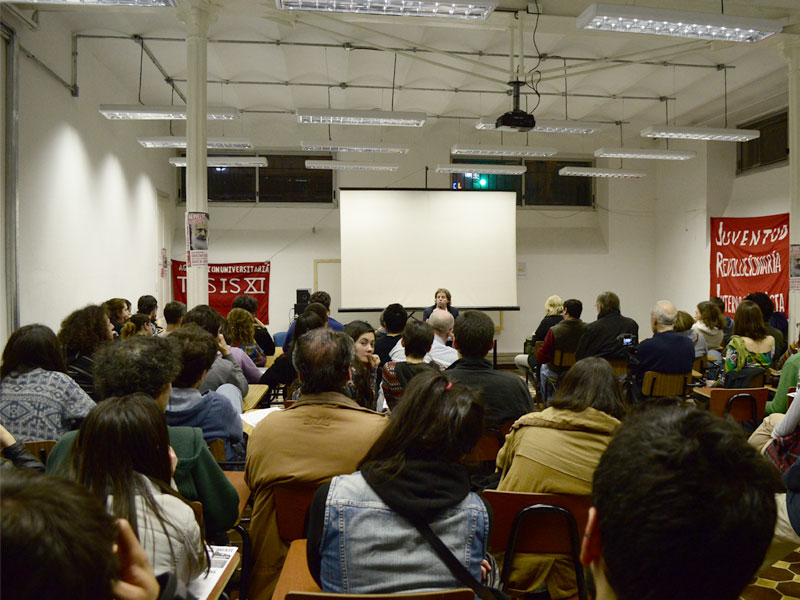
[(675, 487), (15, 455), (174, 312), (148, 306), (38, 400), (148, 365), (119, 311), (710, 323), (787, 526), (282, 370), (563, 336), (122, 456), (553, 313), (57, 541), (225, 368), (262, 336), (789, 377), (81, 333), (394, 318), (667, 351), (241, 330), (443, 301), (556, 451), (136, 325), (216, 412), (505, 396), (600, 338), (767, 311), (323, 298), (750, 347), (778, 437), (324, 434), (684, 326), (790, 351), (436, 425), (364, 366), (727, 331), (439, 353), (416, 340)]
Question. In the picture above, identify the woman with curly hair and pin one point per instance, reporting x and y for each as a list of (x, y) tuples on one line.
[(81, 333), (119, 311), (241, 333)]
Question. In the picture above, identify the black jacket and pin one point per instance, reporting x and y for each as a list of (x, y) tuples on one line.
[(600, 338)]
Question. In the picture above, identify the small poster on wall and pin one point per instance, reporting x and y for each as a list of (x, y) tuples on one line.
[(197, 239), (163, 263), (794, 270)]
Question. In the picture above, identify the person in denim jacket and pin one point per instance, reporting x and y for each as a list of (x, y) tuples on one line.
[(360, 538)]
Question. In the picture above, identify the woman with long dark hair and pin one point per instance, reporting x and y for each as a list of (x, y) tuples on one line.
[(122, 455), (81, 333), (38, 400), (364, 366), (556, 451), (360, 538), (750, 345)]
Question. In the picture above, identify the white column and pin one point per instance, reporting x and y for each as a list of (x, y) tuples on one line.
[(197, 15), (791, 51)]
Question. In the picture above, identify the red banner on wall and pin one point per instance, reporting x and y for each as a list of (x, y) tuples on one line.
[(225, 282), (750, 255)]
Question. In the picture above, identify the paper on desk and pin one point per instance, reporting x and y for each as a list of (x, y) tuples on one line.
[(219, 558), (792, 394), (254, 417)]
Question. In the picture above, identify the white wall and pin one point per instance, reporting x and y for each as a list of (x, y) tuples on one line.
[(89, 214)]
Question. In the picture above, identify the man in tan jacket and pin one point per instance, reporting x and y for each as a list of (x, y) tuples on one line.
[(323, 434)]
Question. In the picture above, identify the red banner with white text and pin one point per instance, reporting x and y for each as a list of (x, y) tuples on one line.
[(225, 282), (750, 255)]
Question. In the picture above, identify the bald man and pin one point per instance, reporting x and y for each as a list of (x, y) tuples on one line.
[(667, 351)]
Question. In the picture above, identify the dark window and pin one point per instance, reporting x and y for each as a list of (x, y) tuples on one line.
[(771, 147), (286, 179), (545, 187)]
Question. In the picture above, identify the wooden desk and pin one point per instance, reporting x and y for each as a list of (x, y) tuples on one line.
[(254, 395), (295, 576), (200, 587), (702, 392), (237, 480)]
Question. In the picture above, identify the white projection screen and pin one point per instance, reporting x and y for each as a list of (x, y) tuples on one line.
[(401, 245)]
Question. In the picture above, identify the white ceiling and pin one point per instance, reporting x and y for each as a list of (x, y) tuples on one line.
[(313, 59)]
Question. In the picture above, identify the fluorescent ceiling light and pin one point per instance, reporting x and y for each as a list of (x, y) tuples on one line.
[(546, 126), (482, 169), (161, 113), (224, 161), (596, 172), (646, 154), (145, 3), (219, 143), (361, 117), (701, 133), (337, 165), (703, 26), (477, 9), (374, 147), (523, 151)]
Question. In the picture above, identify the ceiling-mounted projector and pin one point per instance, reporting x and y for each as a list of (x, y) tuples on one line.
[(516, 118)]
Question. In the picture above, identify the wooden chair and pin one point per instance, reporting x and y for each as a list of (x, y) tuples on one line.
[(746, 404), (197, 508), (700, 365), (217, 448), (563, 359), (657, 384), (40, 449), (291, 505), (461, 594), (490, 443), (538, 523), (271, 359)]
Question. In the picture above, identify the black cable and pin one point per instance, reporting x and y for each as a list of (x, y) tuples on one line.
[(394, 75), (534, 71), (141, 67)]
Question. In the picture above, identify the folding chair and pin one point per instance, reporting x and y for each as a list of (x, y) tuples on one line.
[(657, 384)]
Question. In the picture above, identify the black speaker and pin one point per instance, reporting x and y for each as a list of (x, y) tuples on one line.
[(303, 296)]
